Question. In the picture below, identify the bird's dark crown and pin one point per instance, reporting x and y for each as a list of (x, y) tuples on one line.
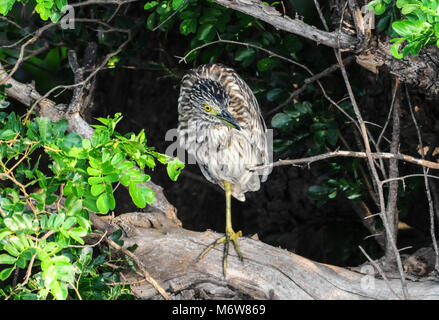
[(208, 90)]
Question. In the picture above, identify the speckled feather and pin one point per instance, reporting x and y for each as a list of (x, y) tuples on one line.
[(223, 152)]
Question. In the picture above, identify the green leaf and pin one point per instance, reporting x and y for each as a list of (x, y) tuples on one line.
[(7, 134), (43, 127), (174, 168), (60, 4), (78, 233), (244, 54), (7, 259), (5, 273), (4, 233), (97, 189), (267, 64), (318, 192), (103, 203), (406, 27), (383, 23), (395, 50), (304, 107), (6, 6), (90, 204), (354, 195), (58, 220), (378, 7), (74, 206), (274, 94), (205, 32), (332, 137), (10, 248), (176, 4), (11, 224), (280, 120), (136, 195), (95, 180), (70, 221), (117, 159), (319, 137), (150, 21), (114, 177), (71, 140), (59, 291), (188, 26), (151, 4), (86, 144), (147, 194)]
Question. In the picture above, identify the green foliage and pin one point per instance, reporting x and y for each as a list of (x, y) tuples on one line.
[(304, 124), (45, 8), (204, 22), (41, 232), (419, 29)]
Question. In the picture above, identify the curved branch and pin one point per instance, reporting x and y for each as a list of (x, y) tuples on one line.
[(257, 9)]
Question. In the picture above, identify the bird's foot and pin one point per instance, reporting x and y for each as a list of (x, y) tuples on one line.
[(231, 236)]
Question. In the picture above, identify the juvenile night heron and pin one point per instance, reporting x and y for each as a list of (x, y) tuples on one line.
[(220, 124)]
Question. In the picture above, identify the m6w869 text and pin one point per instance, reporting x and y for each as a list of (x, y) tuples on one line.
[(240, 309)]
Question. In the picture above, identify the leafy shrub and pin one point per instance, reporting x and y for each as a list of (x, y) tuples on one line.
[(45, 8), (419, 29), (44, 234)]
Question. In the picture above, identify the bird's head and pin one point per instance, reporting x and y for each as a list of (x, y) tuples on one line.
[(209, 102)]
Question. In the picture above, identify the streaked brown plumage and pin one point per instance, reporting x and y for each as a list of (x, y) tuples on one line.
[(220, 124)]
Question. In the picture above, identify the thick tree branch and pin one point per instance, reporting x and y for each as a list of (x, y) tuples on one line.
[(392, 210), (267, 272), (421, 71), (257, 9)]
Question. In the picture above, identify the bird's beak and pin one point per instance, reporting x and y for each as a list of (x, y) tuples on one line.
[(227, 118)]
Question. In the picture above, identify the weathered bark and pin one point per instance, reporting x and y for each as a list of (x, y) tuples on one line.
[(257, 9), (421, 71), (169, 252)]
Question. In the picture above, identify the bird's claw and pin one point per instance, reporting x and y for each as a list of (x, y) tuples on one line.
[(229, 236)]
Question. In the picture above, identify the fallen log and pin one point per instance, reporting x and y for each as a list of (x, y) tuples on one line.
[(170, 253)]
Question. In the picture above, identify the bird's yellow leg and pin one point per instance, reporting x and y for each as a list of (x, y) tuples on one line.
[(230, 234)]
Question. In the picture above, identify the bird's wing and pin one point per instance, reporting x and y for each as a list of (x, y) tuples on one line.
[(205, 173)]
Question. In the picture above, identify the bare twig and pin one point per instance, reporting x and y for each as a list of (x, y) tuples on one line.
[(426, 182), (140, 265), (383, 275), (307, 82), (101, 238), (350, 154), (36, 35), (172, 14), (29, 270), (409, 176)]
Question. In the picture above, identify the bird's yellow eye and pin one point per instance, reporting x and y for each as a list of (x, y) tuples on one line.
[(207, 108)]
